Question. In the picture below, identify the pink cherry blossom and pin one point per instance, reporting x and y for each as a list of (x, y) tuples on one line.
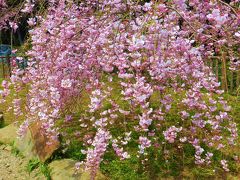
[(66, 83), (134, 72)]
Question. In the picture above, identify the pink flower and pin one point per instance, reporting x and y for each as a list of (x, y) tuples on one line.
[(66, 83), (217, 17), (13, 25), (31, 21), (224, 165), (171, 134), (144, 143), (68, 118), (3, 4), (128, 73), (237, 34)]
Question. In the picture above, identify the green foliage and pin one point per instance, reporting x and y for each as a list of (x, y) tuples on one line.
[(176, 164), (124, 170), (74, 151), (43, 167), (32, 164), (203, 173), (15, 151), (45, 170)]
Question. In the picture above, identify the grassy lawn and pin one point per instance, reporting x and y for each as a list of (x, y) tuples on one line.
[(180, 165)]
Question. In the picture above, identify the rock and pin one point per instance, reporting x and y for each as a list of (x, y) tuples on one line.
[(25, 146), (65, 169), (87, 176), (8, 134), (34, 144)]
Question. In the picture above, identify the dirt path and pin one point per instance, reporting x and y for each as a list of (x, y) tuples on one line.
[(13, 167)]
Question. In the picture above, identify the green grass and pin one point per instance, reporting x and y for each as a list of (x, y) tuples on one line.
[(45, 170), (8, 114), (32, 164), (179, 164), (43, 167)]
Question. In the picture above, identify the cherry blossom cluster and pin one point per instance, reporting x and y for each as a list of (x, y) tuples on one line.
[(94, 155), (119, 151), (3, 4), (138, 63), (171, 133), (224, 165), (11, 15)]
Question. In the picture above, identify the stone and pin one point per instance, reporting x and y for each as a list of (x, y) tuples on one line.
[(65, 169), (8, 134), (43, 149), (25, 146), (34, 143)]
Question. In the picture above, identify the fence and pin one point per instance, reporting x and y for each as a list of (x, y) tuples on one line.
[(5, 61), (5, 53), (230, 80)]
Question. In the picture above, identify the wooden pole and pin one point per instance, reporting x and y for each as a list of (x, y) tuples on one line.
[(3, 69), (216, 70), (238, 79), (224, 73), (231, 81)]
